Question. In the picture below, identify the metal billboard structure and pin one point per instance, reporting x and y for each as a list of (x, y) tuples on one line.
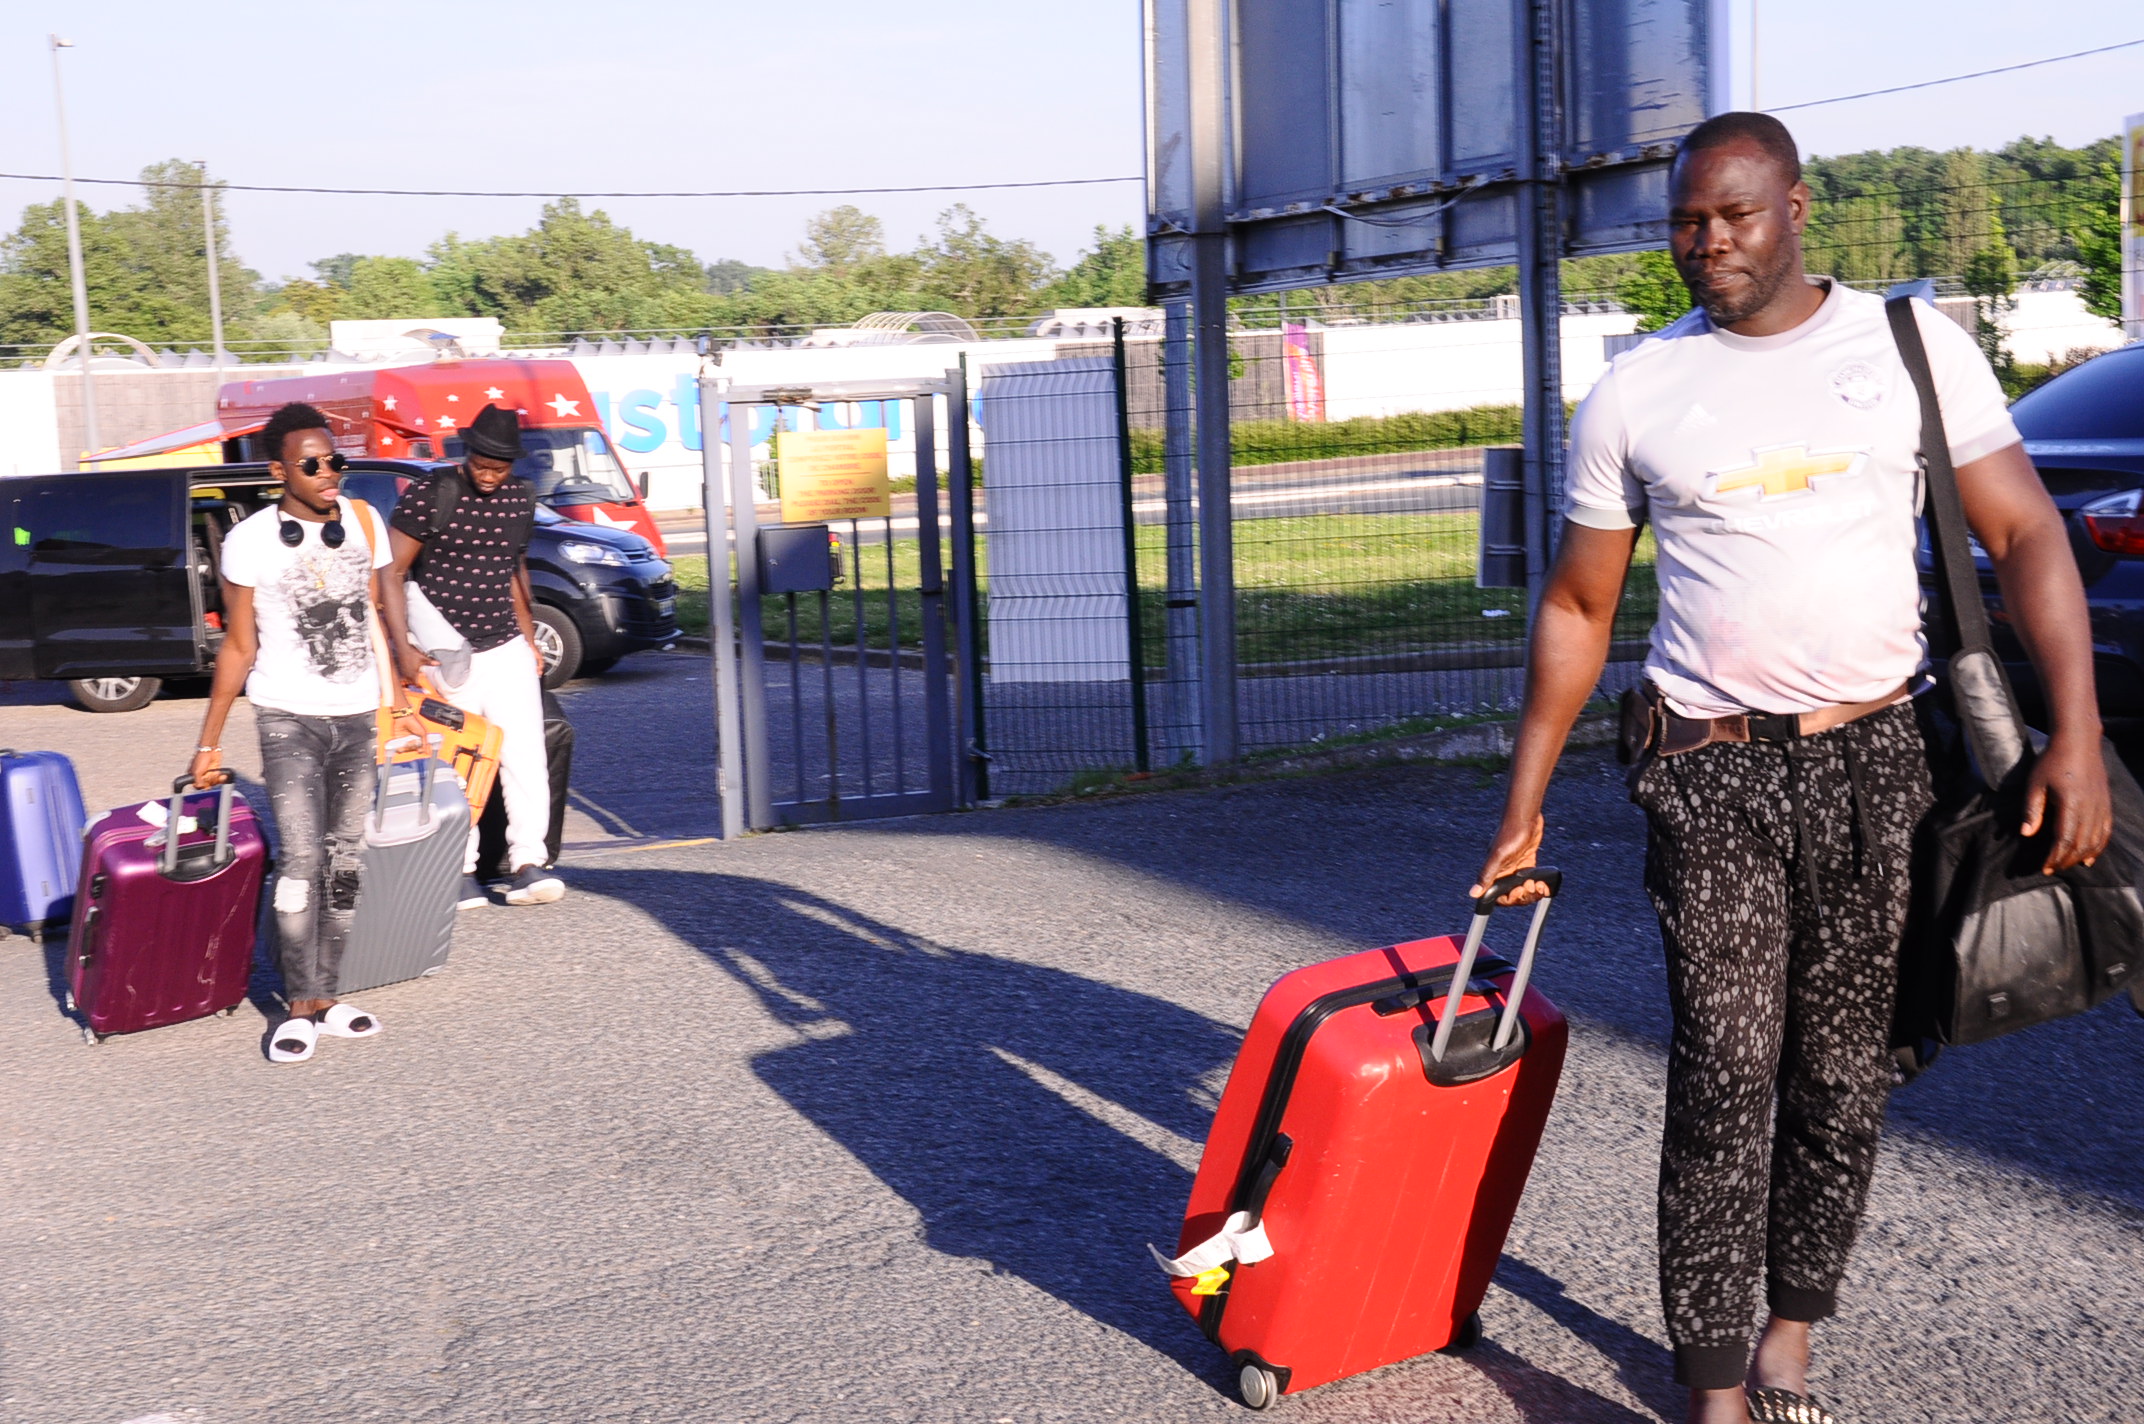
[(1297, 143)]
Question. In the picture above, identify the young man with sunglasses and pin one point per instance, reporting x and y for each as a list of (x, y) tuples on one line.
[(300, 581), (462, 538)]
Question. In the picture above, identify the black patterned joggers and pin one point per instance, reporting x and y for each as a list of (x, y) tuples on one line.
[(1779, 871)]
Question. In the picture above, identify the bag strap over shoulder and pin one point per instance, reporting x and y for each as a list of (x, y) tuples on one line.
[(1980, 692), (446, 494), (383, 660), (1965, 617)]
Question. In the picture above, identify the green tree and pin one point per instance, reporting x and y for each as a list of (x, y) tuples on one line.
[(316, 302), (728, 275), (145, 268), (574, 271), (1990, 278), (1112, 273), (2099, 243), (1654, 291), (335, 271), (973, 272), (838, 239), (1971, 222), (1860, 239), (389, 287)]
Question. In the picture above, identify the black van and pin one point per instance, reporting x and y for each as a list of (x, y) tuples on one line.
[(108, 579)]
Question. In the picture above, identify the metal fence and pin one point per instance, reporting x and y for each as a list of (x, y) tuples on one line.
[(1356, 506)]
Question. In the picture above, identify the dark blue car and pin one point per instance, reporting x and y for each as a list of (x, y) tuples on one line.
[(2085, 432)]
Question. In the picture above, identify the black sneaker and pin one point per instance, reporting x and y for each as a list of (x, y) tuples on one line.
[(473, 893), (533, 885)]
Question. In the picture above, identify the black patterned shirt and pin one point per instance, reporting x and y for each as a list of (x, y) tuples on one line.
[(467, 569)]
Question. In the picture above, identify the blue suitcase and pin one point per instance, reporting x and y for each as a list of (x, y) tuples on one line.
[(40, 840)]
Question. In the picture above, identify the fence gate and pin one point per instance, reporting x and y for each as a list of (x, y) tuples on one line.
[(840, 666)]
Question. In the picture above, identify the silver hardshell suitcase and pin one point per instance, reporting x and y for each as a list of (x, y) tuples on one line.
[(415, 841)]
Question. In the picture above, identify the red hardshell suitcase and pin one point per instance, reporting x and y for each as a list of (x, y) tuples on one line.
[(1360, 1176), (165, 917)]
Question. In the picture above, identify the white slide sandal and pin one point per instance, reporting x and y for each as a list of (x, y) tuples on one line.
[(292, 1041), (348, 1021)]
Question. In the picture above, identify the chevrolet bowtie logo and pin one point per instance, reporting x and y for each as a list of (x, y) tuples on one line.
[(1787, 469)]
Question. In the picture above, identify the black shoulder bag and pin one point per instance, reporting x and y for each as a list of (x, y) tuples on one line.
[(1992, 945)]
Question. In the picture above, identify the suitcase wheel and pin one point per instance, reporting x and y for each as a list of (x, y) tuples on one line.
[(229, 1011), (90, 1036), (70, 1001), (1259, 1386), (1468, 1337)]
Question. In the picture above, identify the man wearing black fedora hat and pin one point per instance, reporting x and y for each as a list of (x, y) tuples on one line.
[(460, 538)]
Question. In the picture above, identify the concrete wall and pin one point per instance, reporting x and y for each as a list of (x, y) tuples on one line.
[(132, 405), (1389, 369)]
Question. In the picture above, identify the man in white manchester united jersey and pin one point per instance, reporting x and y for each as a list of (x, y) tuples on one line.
[(1770, 436)]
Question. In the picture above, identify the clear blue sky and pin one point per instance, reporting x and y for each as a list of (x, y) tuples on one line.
[(834, 93)]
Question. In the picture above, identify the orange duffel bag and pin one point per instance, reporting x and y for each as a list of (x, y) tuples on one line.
[(467, 742)]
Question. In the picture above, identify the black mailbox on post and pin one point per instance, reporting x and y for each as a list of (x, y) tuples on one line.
[(796, 558)]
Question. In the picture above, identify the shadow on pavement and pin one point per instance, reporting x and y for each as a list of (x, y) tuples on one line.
[(1407, 840), (970, 1085), (1034, 1119), (1644, 1365)]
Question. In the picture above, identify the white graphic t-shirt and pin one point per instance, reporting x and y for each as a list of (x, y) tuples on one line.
[(309, 603), (1779, 473)]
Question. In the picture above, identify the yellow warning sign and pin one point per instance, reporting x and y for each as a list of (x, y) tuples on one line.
[(833, 474)]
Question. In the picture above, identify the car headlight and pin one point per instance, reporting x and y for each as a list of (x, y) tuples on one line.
[(583, 553)]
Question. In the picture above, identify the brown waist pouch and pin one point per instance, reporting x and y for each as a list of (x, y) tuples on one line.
[(1648, 725)]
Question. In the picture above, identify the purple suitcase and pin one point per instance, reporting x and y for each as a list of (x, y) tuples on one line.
[(164, 923)]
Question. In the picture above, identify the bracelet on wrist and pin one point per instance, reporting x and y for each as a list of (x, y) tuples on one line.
[(199, 750)]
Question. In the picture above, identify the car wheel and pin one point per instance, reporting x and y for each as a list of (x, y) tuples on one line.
[(115, 694), (559, 643)]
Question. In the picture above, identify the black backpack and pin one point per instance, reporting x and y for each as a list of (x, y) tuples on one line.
[(448, 487)]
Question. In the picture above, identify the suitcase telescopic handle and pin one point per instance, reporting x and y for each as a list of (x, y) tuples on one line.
[(226, 785), (1484, 906), (428, 768)]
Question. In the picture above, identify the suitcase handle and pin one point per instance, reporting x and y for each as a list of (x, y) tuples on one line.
[(1547, 874), (226, 784), (1484, 904), (425, 771)]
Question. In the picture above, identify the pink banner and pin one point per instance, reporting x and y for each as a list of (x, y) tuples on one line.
[(1306, 391)]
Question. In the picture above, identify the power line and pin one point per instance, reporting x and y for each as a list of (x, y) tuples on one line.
[(1932, 83), (482, 193)]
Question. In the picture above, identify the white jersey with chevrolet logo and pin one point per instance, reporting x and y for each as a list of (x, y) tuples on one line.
[(1780, 479)]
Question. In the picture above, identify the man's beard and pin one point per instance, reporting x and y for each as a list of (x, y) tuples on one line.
[(1764, 287)]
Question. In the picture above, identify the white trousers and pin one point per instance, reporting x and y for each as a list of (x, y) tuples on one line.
[(505, 686)]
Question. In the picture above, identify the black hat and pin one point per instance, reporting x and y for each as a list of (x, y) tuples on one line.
[(495, 434)]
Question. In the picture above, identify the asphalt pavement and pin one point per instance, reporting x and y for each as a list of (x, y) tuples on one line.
[(873, 1123)]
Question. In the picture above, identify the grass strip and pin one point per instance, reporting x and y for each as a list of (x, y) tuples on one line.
[(1308, 589)]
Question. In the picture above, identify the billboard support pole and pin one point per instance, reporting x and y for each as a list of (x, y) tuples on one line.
[(721, 615), (1181, 737), (1540, 286), (1208, 61)]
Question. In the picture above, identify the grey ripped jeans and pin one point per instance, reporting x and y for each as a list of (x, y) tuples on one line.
[(319, 772)]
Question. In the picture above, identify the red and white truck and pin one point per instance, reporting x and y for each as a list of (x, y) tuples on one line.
[(415, 412)]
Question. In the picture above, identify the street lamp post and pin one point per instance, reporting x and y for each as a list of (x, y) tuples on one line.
[(215, 278), (74, 253)]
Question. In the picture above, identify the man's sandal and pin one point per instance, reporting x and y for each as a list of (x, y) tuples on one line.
[(1784, 1406), (348, 1021)]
